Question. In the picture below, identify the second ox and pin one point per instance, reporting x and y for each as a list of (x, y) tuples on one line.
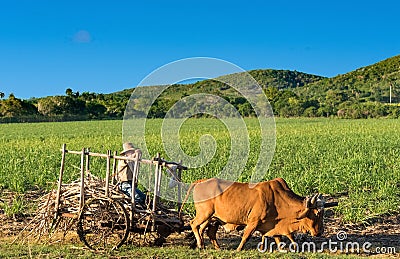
[(270, 207)]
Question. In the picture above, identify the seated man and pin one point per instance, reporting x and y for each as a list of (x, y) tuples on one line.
[(125, 172)]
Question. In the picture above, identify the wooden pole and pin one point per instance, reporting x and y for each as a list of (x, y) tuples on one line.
[(159, 181), (156, 182), (114, 168), (134, 186), (179, 172), (108, 172), (136, 172), (155, 198), (82, 193), (57, 203), (87, 160)]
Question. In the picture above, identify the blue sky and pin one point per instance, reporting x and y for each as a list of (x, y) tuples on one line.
[(106, 46)]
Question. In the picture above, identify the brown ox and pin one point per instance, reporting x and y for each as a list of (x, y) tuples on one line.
[(269, 207)]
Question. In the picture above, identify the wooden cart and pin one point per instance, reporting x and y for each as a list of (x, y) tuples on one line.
[(107, 218)]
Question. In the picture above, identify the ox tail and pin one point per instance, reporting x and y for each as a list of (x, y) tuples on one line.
[(188, 193)]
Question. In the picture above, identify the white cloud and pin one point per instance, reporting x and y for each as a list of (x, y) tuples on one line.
[(82, 36)]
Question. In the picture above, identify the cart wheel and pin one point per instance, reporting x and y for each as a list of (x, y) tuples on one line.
[(103, 224)]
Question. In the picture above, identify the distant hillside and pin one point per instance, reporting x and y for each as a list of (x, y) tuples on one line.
[(279, 79), (363, 93), (283, 79), (370, 83)]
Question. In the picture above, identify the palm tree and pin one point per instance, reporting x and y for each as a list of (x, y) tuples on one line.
[(68, 92)]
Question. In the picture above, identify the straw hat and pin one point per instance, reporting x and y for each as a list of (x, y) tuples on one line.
[(127, 147)]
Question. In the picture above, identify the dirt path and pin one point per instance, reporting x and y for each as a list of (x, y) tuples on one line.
[(379, 236)]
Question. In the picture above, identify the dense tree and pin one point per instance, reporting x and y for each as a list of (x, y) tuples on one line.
[(281, 104), (95, 110), (272, 93), (61, 105), (14, 107), (310, 112), (246, 110), (69, 92)]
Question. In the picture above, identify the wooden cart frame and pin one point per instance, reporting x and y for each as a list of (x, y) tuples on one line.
[(105, 220)]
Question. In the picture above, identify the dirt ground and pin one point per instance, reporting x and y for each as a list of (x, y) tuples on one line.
[(379, 236)]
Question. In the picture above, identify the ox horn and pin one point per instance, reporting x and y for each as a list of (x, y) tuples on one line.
[(308, 204), (313, 200), (308, 201)]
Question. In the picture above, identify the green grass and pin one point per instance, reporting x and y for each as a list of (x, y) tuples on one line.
[(30, 153), (15, 207), (360, 157)]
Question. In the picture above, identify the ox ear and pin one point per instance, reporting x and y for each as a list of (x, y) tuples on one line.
[(308, 201), (303, 214)]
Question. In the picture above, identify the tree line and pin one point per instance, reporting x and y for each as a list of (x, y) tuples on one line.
[(368, 92), (92, 106), (71, 106)]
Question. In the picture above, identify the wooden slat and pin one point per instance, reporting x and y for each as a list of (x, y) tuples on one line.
[(57, 202), (145, 161), (82, 185), (108, 173)]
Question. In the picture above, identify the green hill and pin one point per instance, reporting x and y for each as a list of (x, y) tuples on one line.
[(266, 78), (370, 83), (281, 79), (362, 93)]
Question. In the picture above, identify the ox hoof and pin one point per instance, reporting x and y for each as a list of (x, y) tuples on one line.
[(193, 245)]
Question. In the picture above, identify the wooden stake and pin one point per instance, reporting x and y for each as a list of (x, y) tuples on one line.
[(159, 180), (179, 185), (82, 192), (134, 186), (87, 160), (156, 182), (108, 172), (155, 198), (57, 203), (114, 168)]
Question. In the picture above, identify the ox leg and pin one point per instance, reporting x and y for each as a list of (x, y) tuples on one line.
[(202, 228), (278, 241), (198, 225), (261, 247), (292, 240), (201, 231), (212, 234), (248, 231)]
